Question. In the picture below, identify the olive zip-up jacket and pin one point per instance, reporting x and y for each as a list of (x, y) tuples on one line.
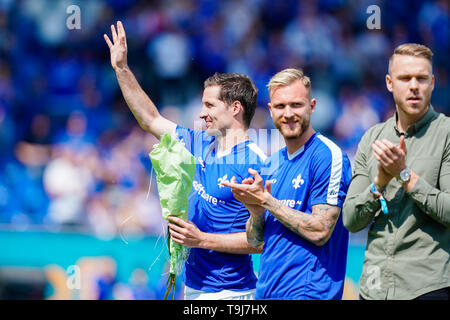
[(408, 249)]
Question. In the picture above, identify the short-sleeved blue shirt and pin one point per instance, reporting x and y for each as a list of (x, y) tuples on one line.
[(213, 209), (292, 267)]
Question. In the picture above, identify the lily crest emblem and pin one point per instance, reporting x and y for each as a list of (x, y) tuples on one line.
[(223, 179), (202, 163), (297, 181)]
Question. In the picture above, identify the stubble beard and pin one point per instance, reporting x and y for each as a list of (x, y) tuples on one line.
[(293, 134), (413, 111)]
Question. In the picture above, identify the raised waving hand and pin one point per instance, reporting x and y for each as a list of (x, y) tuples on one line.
[(118, 46)]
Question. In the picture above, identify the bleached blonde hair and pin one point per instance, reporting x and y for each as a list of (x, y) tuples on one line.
[(286, 77)]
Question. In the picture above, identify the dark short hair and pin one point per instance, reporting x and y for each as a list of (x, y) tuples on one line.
[(236, 87)]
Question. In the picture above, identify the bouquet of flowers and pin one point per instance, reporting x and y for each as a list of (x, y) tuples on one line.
[(175, 168)]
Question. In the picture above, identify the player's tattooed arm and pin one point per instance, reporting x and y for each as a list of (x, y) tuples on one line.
[(316, 227), (255, 229)]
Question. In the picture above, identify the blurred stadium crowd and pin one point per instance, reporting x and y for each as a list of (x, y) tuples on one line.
[(71, 153)]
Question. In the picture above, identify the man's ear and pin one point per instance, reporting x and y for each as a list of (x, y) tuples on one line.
[(313, 105), (389, 82), (270, 108), (432, 82), (237, 107)]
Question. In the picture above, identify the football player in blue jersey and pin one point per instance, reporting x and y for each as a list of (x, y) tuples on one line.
[(219, 265), (296, 212)]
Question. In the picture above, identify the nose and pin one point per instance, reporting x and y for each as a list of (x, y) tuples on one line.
[(288, 112), (414, 85), (202, 113)]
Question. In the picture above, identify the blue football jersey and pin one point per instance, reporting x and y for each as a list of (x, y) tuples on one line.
[(291, 266), (213, 209)]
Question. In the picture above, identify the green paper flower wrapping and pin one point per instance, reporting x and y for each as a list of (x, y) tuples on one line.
[(175, 168)]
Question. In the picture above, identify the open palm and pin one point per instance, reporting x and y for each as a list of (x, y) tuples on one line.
[(118, 47)]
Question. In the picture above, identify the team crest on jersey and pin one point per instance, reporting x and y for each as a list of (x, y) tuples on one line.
[(202, 163), (297, 181), (223, 179)]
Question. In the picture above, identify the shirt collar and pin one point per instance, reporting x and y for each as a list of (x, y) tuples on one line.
[(415, 127), (302, 148)]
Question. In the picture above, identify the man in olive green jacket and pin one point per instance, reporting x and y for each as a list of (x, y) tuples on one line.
[(401, 187)]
